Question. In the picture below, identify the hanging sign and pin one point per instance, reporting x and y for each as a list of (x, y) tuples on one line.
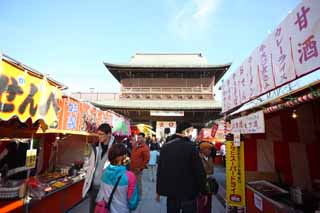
[(166, 113), (235, 174), (236, 138), (250, 124), (84, 117), (25, 96), (291, 51)]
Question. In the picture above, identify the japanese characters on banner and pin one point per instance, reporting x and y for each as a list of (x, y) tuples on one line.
[(305, 36), (254, 85), (26, 96), (282, 62), (265, 66), (289, 52), (80, 116), (235, 176), (250, 124), (214, 129)]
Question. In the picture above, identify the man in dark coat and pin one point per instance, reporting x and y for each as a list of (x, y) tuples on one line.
[(180, 175)]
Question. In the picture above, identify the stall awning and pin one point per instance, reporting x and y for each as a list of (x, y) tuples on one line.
[(25, 95)]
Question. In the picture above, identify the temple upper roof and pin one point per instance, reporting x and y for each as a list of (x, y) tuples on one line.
[(144, 65)]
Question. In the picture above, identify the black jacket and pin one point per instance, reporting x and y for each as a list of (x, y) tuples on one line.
[(154, 146), (180, 172)]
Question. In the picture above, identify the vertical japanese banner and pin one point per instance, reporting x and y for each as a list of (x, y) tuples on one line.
[(283, 66), (304, 23), (224, 97), (235, 174), (265, 66), (73, 115), (234, 89), (254, 87), (243, 84), (227, 87)]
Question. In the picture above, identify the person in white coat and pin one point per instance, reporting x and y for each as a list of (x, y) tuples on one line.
[(98, 161)]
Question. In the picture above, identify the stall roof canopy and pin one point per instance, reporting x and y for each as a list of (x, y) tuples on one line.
[(22, 86), (160, 104), (32, 71), (146, 65)]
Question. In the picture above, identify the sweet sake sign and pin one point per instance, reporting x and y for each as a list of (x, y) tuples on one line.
[(289, 52)]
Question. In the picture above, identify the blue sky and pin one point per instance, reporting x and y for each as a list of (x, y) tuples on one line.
[(70, 39)]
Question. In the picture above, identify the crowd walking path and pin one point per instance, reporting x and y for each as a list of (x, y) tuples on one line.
[(148, 203)]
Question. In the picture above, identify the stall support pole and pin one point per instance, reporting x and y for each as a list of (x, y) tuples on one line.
[(26, 199)]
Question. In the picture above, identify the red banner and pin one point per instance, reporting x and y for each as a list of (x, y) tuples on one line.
[(214, 130), (79, 116)]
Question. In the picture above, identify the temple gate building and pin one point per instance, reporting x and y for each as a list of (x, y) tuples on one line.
[(163, 87)]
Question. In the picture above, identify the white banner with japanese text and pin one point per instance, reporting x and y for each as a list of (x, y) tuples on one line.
[(289, 52), (250, 124), (305, 36)]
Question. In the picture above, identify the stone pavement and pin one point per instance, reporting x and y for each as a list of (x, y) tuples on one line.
[(148, 203)]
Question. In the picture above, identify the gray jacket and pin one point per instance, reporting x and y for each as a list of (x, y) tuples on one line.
[(95, 167)]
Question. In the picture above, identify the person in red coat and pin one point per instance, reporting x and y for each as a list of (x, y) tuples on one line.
[(140, 157)]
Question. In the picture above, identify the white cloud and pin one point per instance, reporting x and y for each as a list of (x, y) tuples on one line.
[(193, 17)]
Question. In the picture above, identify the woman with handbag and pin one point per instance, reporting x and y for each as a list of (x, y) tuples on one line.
[(118, 191), (204, 201)]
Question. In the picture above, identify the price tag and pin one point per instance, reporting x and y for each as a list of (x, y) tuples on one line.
[(31, 158)]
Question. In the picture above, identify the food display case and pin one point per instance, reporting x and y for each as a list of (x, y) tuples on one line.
[(263, 196)]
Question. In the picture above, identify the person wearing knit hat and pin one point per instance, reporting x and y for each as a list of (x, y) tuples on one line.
[(180, 175), (183, 126), (205, 145), (204, 201)]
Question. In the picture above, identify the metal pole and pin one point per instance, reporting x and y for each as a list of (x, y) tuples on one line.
[(26, 199)]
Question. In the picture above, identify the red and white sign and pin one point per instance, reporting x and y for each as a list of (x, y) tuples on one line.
[(214, 129), (162, 125), (289, 52)]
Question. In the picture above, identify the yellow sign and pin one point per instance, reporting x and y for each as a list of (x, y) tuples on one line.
[(26, 96), (31, 158), (87, 149), (235, 174)]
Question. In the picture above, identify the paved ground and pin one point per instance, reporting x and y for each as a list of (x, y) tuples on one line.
[(148, 203)]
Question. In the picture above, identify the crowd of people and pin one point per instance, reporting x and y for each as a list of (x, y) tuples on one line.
[(183, 171)]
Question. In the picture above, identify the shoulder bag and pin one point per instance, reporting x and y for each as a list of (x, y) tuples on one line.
[(102, 206)]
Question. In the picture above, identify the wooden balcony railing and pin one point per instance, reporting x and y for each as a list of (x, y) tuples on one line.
[(166, 90)]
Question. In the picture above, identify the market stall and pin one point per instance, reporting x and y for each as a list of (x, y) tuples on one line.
[(286, 156), (280, 145), (78, 122), (29, 103), (44, 141), (272, 100)]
